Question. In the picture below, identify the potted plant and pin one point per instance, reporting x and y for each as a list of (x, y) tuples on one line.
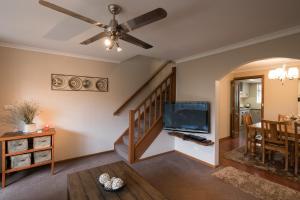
[(26, 112)]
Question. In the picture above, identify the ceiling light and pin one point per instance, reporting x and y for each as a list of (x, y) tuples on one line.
[(107, 42), (281, 73), (293, 73), (119, 49)]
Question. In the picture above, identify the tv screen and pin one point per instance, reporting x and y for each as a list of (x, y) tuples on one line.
[(187, 117)]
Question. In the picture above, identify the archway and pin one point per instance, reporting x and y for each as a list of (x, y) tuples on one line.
[(279, 98), (254, 68)]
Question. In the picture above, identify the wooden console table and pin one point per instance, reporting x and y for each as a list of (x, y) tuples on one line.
[(17, 136), (84, 185)]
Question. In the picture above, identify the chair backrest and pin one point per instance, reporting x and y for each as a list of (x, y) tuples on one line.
[(275, 132), (247, 120), (283, 118)]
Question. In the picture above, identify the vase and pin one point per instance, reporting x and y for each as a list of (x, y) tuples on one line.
[(29, 128)]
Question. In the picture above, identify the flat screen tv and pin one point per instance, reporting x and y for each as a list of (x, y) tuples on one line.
[(187, 117)]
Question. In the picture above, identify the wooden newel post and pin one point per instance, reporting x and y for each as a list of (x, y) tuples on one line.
[(131, 136), (173, 85)]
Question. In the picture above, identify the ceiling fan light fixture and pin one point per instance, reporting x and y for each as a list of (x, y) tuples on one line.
[(119, 49), (107, 42), (114, 30)]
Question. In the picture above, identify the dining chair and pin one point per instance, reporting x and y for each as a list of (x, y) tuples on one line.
[(275, 138), (285, 118), (247, 120), (297, 146)]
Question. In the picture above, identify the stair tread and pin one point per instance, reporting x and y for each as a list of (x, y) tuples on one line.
[(122, 150), (125, 139)]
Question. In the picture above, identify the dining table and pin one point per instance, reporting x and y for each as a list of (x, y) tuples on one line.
[(256, 128)]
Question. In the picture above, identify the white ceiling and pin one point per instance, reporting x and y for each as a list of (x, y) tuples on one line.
[(191, 27)]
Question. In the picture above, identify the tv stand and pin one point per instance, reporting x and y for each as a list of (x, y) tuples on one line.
[(192, 138)]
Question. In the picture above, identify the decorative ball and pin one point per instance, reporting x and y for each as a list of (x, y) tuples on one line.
[(103, 178), (117, 183), (108, 185), (112, 179)]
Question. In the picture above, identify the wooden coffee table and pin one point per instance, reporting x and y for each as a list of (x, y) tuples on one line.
[(84, 184)]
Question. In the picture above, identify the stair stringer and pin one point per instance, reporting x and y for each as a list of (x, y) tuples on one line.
[(148, 139)]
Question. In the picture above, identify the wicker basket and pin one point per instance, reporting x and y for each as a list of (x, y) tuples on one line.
[(20, 160), (41, 142), (42, 156), (17, 145)]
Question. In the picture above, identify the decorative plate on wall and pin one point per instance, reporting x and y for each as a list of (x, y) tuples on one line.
[(75, 83), (78, 83), (102, 84)]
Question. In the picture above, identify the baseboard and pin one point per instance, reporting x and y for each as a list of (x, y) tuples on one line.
[(225, 138), (93, 154), (143, 159), (197, 160), (150, 157)]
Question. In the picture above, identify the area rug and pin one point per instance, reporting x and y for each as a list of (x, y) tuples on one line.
[(256, 186), (275, 167)]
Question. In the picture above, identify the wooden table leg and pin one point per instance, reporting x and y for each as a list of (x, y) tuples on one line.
[(3, 164)]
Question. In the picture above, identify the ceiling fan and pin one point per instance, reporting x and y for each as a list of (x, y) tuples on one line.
[(115, 31)]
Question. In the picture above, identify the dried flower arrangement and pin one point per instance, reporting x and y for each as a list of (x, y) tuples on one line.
[(25, 111)]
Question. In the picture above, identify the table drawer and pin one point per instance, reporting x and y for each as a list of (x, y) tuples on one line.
[(42, 156), (41, 142), (20, 160), (17, 145)]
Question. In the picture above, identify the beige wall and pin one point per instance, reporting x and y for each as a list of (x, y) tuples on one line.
[(196, 80), (84, 120)]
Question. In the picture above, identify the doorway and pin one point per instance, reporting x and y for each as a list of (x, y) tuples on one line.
[(247, 97)]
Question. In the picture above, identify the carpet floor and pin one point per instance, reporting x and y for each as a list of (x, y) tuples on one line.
[(276, 166), (176, 176), (259, 187)]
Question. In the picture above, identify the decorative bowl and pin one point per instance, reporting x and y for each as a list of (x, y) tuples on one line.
[(112, 190)]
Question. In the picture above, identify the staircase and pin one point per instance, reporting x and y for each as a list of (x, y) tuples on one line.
[(146, 120)]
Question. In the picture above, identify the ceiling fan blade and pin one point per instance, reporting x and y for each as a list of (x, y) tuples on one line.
[(135, 41), (94, 38), (71, 13), (143, 20)]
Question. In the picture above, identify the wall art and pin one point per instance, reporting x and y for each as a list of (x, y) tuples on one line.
[(78, 83)]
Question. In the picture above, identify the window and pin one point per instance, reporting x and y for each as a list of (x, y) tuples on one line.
[(258, 93)]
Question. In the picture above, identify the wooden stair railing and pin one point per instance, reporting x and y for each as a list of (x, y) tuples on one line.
[(145, 122), (118, 111)]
